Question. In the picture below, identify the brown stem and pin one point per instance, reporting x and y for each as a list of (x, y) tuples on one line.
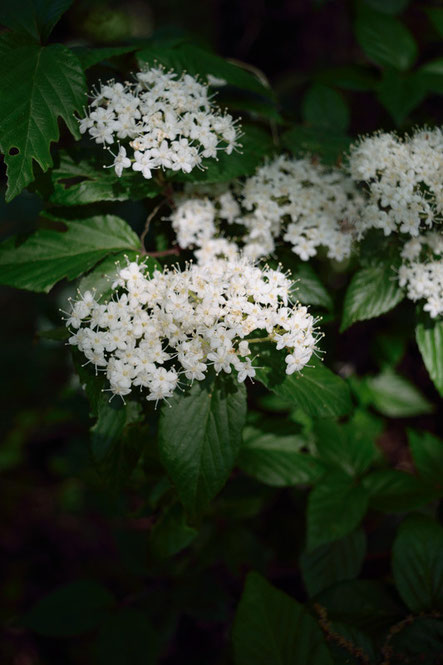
[(147, 223), (166, 252)]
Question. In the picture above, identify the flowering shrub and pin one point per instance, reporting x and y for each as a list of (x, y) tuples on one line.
[(252, 308)]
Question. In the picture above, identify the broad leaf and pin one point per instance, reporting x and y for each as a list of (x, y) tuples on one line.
[(200, 436), (47, 256), (316, 389), (324, 107), (349, 77), (184, 56), (401, 93), (316, 140), (429, 336), (372, 291), (348, 446), (277, 460), (385, 40), (35, 18), (417, 563), (80, 182), (92, 56), (255, 145), (127, 638), (394, 491), (171, 534), (308, 288), (336, 507), (40, 85), (427, 453), (271, 627), (334, 562), (394, 396), (69, 610)]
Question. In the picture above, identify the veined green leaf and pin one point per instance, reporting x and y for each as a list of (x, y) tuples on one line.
[(40, 84), (385, 40), (35, 18), (47, 256)]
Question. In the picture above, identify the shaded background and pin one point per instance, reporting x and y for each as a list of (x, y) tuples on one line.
[(58, 521)]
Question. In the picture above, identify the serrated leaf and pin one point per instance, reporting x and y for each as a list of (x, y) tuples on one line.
[(36, 18), (200, 436), (372, 292), (401, 93), (328, 564), (417, 563), (394, 396), (184, 56), (429, 336), (348, 446), (271, 627), (89, 57), (40, 85), (324, 107), (127, 637), (70, 610), (336, 506), (47, 256), (255, 145), (385, 40), (316, 389), (394, 491), (330, 146), (427, 453), (277, 460), (309, 289), (81, 182)]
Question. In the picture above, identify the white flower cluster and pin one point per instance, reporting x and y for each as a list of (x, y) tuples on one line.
[(422, 271), (306, 204), (161, 327), (169, 122), (404, 179)]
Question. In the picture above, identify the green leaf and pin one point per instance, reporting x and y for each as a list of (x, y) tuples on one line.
[(385, 40), (324, 107), (395, 397), (70, 610), (47, 256), (40, 85), (255, 145), (171, 534), (431, 73), (92, 56), (80, 182), (429, 336), (427, 453), (365, 604), (394, 491), (435, 15), (388, 6), (199, 438), (400, 93), (336, 506), (350, 446), (372, 291), (270, 627), (35, 18), (417, 563), (329, 145), (419, 641), (309, 290), (127, 638), (349, 77), (334, 562), (184, 56), (316, 389), (277, 460)]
